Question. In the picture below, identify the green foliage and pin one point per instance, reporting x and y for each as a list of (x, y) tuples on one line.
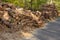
[(57, 2), (34, 4)]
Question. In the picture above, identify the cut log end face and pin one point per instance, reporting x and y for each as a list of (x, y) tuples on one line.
[(58, 14), (6, 16)]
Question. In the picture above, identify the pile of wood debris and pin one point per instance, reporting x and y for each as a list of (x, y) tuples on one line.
[(14, 19), (49, 11)]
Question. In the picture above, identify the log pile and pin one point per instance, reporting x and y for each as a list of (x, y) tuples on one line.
[(14, 19), (49, 11)]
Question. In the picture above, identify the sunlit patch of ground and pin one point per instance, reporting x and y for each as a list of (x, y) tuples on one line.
[(53, 20), (27, 35), (44, 27)]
